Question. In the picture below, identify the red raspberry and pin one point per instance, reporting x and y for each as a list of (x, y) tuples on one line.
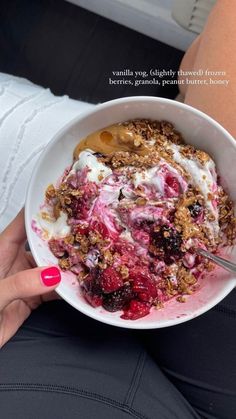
[(136, 310), (81, 229), (143, 296), (145, 288), (100, 228), (110, 280), (139, 272)]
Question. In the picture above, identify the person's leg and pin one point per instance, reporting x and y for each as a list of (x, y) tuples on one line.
[(199, 358), (64, 365), (214, 50)]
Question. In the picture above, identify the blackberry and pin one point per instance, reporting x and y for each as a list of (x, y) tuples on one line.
[(118, 299), (75, 206), (195, 209), (92, 282), (146, 225), (168, 241)]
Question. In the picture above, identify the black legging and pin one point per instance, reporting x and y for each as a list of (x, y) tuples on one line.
[(64, 365)]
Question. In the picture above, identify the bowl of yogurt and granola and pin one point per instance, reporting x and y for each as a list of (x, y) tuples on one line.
[(121, 199)]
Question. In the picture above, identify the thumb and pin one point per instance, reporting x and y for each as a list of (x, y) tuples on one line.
[(28, 283)]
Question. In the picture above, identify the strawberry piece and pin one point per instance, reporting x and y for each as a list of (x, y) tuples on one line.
[(136, 310), (110, 280)]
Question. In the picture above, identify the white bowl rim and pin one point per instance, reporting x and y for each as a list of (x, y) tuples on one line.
[(96, 315)]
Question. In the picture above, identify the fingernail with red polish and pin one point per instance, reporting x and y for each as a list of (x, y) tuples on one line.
[(51, 276)]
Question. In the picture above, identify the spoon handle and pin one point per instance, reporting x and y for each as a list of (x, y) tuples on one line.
[(226, 264)]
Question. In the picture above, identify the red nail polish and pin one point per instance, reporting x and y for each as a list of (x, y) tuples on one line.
[(51, 276)]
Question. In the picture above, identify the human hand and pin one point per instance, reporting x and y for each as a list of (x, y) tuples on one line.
[(23, 287)]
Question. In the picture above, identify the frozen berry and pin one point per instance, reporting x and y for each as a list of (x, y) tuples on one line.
[(93, 299), (100, 228), (81, 228), (143, 285), (139, 272), (118, 299), (136, 310), (195, 209), (92, 282), (146, 225), (110, 280), (169, 242), (149, 289), (76, 207)]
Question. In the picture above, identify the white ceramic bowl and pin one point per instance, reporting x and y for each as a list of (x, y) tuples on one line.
[(199, 130)]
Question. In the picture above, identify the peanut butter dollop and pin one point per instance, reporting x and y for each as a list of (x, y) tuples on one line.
[(114, 138)]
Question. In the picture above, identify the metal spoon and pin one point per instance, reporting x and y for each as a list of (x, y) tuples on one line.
[(226, 264)]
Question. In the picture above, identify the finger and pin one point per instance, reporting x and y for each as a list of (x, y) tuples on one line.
[(15, 232), (51, 296), (30, 259), (12, 318), (29, 283), (16, 313)]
